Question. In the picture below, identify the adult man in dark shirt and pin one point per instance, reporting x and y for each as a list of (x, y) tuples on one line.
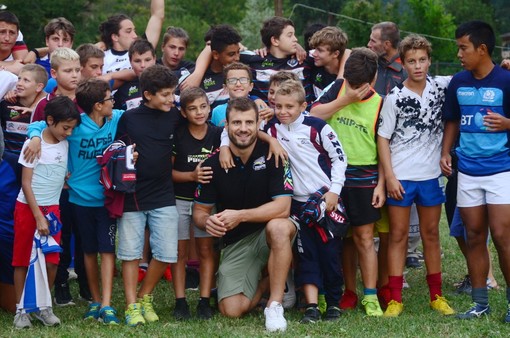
[(384, 41), (253, 200)]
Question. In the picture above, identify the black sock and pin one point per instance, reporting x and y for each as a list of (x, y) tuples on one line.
[(314, 305), (203, 301), (180, 301)]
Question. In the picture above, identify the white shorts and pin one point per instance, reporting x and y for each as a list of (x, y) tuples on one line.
[(474, 191)]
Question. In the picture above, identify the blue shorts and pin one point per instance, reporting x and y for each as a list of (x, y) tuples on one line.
[(163, 226), (97, 229), (427, 193), (457, 228)]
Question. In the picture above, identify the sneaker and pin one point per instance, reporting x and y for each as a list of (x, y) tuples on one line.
[(141, 273), (289, 294), (441, 305), (47, 317), (192, 279), (349, 300), (372, 306), (168, 273), (85, 295), (108, 316), (312, 315), (405, 284), (147, 309), (63, 295), (476, 311), (181, 311), (134, 315), (507, 316), (332, 313), (274, 317), (71, 274), (394, 309), (93, 311), (22, 320), (463, 286), (413, 263), (204, 311)]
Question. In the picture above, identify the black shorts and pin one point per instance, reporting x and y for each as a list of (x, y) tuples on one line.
[(97, 229), (358, 205)]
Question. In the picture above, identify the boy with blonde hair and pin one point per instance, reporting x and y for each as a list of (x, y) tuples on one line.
[(66, 70)]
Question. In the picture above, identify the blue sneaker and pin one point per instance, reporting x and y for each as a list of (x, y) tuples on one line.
[(476, 311), (93, 311), (108, 316)]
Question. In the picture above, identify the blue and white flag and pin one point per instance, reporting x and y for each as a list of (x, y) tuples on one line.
[(36, 292)]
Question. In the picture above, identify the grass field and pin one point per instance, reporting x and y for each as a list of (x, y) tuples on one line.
[(417, 320)]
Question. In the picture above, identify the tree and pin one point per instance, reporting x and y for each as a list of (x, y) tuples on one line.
[(256, 12), (361, 15), (434, 21)]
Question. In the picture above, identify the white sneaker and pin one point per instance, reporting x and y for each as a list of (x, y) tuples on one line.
[(289, 295), (274, 317), (47, 317), (22, 320), (72, 274)]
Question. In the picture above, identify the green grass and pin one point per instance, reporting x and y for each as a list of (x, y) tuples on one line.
[(417, 320)]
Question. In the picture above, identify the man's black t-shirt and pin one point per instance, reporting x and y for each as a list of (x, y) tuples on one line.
[(246, 186), (153, 132)]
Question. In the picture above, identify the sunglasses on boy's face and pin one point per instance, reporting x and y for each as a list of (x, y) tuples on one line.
[(242, 80), (111, 98)]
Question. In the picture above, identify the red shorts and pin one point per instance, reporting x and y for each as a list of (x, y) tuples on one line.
[(24, 229)]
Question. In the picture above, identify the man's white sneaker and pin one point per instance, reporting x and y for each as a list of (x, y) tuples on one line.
[(47, 317), (274, 317), (22, 320)]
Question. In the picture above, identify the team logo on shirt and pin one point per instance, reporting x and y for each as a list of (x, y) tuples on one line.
[(259, 163), (208, 83), (132, 90), (292, 62), (331, 136), (267, 63)]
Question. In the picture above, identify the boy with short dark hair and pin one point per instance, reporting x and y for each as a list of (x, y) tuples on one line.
[(409, 144), (351, 107), (151, 126), (41, 185), (477, 108), (141, 56), (194, 142), (278, 35), (224, 50), (317, 160)]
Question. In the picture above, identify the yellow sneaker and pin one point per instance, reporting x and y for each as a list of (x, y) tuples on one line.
[(372, 306), (441, 305), (147, 309), (394, 309)]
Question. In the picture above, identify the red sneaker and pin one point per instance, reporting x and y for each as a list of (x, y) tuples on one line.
[(384, 296), (349, 300), (141, 274), (168, 273)]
